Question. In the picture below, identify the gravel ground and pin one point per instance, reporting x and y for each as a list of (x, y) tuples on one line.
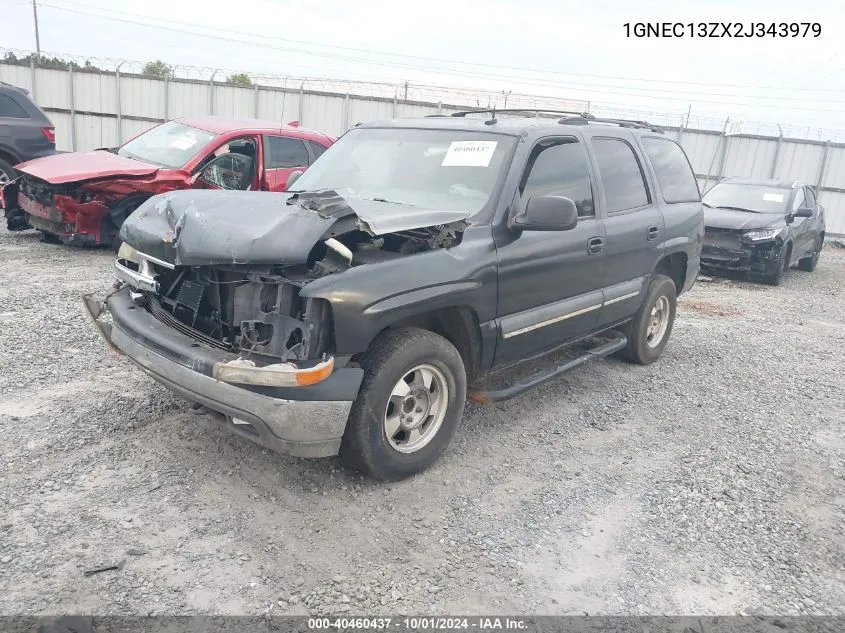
[(710, 482)]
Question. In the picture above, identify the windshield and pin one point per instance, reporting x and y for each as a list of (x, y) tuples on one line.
[(434, 169), (754, 198), (170, 144)]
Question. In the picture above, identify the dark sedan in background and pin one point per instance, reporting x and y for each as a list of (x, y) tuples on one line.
[(762, 227), (25, 131)]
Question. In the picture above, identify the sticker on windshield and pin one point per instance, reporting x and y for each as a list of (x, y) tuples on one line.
[(773, 197), (183, 142), (469, 154)]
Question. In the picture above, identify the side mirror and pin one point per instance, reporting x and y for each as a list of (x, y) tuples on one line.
[(294, 176), (546, 213), (804, 212)]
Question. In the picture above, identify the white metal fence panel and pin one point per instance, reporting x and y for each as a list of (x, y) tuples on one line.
[(88, 113)]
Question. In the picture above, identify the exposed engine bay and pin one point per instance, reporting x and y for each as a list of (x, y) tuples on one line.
[(257, 309)]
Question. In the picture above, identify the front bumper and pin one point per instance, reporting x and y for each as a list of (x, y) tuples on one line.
[(763, 258), (301, 421)]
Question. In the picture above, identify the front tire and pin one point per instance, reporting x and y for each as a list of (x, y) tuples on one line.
[(410, 404), (783, 265), (7, 173), (808, 264), (649, 332)]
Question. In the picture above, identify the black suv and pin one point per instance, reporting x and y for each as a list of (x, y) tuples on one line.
[(762, 227), (408, 266), (25, 131)]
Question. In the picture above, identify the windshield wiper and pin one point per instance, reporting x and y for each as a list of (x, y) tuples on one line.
[(737, 209), (404, 204)]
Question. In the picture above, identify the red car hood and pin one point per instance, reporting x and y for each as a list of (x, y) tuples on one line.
[(59, 169)]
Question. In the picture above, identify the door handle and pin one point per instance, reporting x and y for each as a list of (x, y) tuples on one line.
[(595, 245), (652, 233)]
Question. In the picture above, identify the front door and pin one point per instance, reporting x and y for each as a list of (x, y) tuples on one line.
[(633, 224), (550, 282)]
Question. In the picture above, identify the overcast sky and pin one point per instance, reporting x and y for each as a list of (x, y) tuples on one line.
[(577, 49)]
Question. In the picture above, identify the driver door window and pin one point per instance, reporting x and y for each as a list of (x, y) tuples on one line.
[(231, 166), (799, 199)]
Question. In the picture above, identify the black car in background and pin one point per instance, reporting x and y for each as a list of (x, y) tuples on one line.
[(25, 131), (762, 227)]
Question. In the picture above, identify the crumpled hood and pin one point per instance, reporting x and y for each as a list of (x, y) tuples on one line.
[(59, 169), (210, 227), (742, 220)]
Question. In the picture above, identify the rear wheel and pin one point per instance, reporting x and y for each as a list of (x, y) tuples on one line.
[(7, 173), (808, 264), (649, 332), (410, 404)]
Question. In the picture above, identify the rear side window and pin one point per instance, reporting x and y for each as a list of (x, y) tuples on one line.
[(283, 152), (10, 108), (619, 169), (674, 174), (559, 168)]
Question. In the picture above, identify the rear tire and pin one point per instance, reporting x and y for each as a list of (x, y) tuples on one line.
[(7, 173), (399, 425), (808, 264), (649, 332)]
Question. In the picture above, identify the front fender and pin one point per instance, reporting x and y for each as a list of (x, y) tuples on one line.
[(367, 299)]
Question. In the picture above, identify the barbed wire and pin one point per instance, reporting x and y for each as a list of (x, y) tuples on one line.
[(414, 92)]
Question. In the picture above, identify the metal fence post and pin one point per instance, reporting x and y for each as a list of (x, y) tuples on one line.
[(34, 79), (777, 153), (395, 102), (118, 104), (211, 93), (715, 154), (822, 169), (301, 96), (255, 98), (166, 97), (72, 109), (439, 107), (346, 112)]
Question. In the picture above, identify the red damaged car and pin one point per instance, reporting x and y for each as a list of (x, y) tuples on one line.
[(82, 198)]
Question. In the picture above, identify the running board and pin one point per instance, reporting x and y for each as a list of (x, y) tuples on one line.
[(605, 348)]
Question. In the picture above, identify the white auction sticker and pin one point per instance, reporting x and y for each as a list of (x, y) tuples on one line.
[(469, 154), (773, 197), (183, 142)]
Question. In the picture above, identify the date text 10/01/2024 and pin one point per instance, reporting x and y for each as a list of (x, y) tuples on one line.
[(418, 623), (722, 29)]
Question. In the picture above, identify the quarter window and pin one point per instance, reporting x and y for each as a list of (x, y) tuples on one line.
[(283, 152), (624, 186), (811, 197), (559, 168), (10, 108), (674, 174)]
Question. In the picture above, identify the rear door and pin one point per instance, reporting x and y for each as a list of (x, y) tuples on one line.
[(283, 155), (633, 222)]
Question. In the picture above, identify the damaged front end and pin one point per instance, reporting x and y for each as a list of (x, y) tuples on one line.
[(209, 302), (752, 252), (75, 213)]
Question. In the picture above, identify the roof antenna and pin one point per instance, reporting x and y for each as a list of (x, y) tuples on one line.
[(492, 119)]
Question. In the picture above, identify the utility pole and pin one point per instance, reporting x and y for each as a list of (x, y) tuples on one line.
[(37, 41)]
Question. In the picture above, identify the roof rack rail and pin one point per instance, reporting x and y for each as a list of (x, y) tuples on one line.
[(631, 123), (534, 111)]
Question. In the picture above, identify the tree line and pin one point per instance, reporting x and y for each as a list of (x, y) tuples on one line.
[(155, 68)]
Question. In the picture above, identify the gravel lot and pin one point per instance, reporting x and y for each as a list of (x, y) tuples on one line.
[(710, 482)]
